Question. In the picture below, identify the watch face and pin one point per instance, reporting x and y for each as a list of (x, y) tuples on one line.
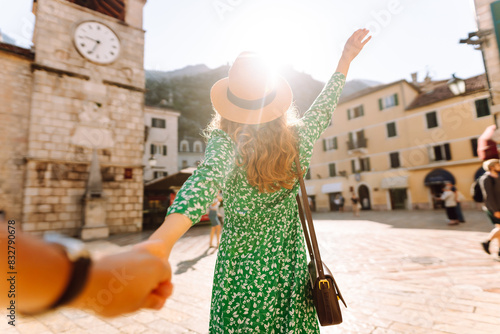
[(97, 42)]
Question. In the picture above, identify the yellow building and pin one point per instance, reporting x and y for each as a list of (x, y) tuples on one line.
[(395, 145)]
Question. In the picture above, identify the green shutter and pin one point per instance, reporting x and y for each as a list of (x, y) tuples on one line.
[(353, 166), (324, 145), (362, 111), (335, 143), (368, 164), (396, 102), (447, 151), (380, 105), (164, 149), (348, 114), (152, 149), (495, 13)]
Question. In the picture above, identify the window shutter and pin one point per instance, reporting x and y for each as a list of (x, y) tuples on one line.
[(152, 149), (396, 102), (349, 114), (335, 143), (164, 149), (380, 105), (353, 166), (495, 12), (324, 145), (473, 143), (368, 164), (447, 151), (361, 111)]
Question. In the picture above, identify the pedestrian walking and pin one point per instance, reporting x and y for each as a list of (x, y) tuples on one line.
[(261, 280), (213, 215), (341, 202), (490, 184), (356, 205), (450, 204), (459, 197)]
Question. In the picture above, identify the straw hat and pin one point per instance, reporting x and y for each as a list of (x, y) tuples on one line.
[(252, 93)]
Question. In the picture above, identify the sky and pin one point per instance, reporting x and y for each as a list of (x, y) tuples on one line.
[(408, 35)]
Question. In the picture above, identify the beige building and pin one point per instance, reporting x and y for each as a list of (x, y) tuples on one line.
[(191, 152), (79, 90), (487, 38), (160, 153), (395, 145)]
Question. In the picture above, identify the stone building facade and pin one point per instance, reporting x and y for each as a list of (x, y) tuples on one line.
[(58, 105)]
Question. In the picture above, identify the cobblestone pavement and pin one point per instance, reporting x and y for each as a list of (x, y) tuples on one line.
[(400, 272)]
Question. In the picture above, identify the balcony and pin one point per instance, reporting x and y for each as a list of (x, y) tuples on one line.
[(359, 145)]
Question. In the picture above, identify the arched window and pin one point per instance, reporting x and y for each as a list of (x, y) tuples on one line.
[(197, 146), (184, 146)]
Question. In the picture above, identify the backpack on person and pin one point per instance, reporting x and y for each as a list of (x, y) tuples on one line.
[(477, 189)]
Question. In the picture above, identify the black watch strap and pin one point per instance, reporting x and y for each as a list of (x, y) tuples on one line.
[(77, 280)]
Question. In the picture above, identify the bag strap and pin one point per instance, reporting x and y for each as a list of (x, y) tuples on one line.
[(309, 233)]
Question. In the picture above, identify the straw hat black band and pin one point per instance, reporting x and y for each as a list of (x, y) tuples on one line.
[(251, 104)]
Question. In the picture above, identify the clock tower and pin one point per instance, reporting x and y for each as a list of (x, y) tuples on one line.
[(87, 100)]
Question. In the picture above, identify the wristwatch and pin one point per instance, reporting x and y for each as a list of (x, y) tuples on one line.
[(79, 256)]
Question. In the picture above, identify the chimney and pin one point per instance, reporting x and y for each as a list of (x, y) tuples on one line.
[(414, 79)]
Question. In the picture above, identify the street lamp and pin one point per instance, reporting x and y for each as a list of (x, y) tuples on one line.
[(152, 161), (456, 85)]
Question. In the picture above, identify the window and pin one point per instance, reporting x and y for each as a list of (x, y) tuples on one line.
[(308, 174), (482, 108), (355, 112), (391, 130), (197, 146), (330, 144), (158, 123), (184, 164), (395, 160), (431, 118), (184, 146), (160, 174), (388, 102), (473, 143), (364, 163), (158, 149), (360, 165), (332, 169), (440, 152), (357, 140)]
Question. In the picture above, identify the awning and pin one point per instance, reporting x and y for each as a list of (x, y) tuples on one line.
[(310, 190), (394, 182), (439, 176), (331, 188)]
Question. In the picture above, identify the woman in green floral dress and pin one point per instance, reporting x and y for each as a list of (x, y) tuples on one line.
[(261, 278)]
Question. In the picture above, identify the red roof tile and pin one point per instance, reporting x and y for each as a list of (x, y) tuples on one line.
[(442, 92)]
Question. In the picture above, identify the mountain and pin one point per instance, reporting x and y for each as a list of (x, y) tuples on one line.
[(357, 85), (186, 71), (188, 91)]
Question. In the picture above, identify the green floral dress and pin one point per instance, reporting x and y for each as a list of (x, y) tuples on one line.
[(261, 279)]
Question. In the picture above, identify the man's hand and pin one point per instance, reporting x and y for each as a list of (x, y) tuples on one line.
[(497, 214), (125, 283)]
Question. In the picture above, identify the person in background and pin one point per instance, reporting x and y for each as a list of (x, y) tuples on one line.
[(355, 205), (459, 197), (213, 215), (341, 202), (490, 184), (450, 204)]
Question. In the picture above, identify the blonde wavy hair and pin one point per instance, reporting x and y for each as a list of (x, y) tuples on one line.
[(266, 151)]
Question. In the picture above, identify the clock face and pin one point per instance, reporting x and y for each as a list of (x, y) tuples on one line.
[(97, 42)]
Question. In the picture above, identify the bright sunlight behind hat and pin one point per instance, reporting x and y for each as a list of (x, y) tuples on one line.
[(253, 93)]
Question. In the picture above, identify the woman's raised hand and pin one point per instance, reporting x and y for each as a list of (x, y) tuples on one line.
[(355, 44)]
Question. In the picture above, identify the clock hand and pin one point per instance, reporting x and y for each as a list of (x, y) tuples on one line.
[(97, 43), (87, 37)]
